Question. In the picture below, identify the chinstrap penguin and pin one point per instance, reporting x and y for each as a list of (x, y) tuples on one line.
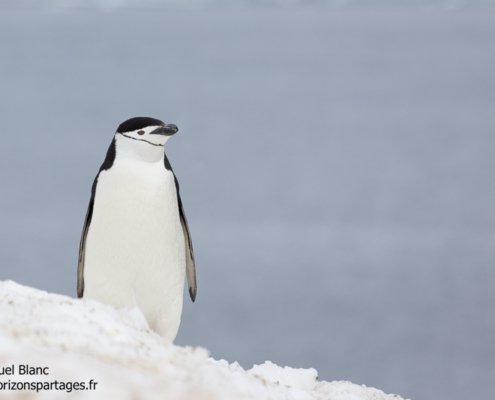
[(135, 245)]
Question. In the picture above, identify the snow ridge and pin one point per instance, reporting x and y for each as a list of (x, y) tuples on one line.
[(81, 340)]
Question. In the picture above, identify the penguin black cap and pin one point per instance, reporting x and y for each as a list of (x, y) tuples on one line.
[(135, 123)]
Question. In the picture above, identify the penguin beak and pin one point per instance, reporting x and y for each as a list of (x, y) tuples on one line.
[(166, 130)]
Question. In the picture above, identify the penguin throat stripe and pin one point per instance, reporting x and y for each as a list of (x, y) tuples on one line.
[(140, 140)]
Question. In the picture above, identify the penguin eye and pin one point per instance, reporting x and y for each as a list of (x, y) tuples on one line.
[(140, 132)]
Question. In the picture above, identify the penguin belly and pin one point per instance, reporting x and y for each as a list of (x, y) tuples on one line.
[(135, 249)]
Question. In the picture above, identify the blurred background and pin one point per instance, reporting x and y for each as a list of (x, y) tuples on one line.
[(336, 161)]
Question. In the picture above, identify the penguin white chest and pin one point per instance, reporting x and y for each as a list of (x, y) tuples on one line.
[(135, 250)]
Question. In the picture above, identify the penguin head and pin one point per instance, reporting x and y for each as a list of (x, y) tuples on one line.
[(147, 130)]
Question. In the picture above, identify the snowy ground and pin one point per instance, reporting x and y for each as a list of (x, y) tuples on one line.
[(80, 341)]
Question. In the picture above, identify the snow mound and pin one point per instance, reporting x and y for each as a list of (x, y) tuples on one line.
[(86, 350)]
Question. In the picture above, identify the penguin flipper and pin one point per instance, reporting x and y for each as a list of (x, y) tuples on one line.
[(190, 265), (82, 243)]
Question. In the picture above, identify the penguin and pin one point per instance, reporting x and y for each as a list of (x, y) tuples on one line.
[(135, 248)]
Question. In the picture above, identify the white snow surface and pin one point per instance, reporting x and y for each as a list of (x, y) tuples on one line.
[(79, 340)]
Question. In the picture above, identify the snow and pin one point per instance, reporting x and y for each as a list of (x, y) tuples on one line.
[(81, 340)]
